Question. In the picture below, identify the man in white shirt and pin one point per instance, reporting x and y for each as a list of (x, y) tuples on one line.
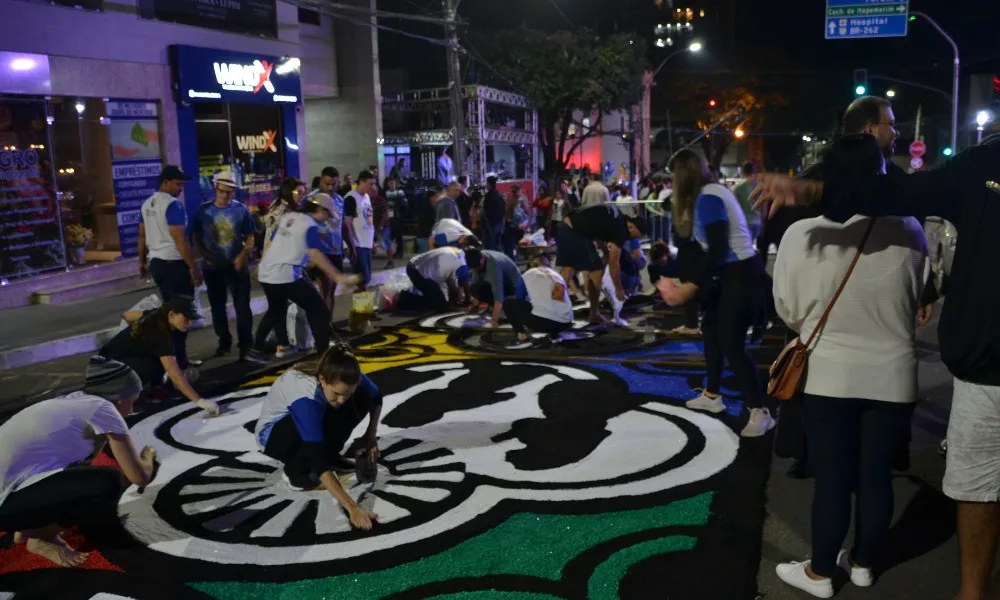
[(450, 232), (595, 193), (541, 304), (163, 241), (46, 482), (432, 273), (359, 217)]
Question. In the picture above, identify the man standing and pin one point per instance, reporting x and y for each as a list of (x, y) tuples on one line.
[(596, 193), (446, 206), (223, 231), (444, 167), (361, 222), (495, 276), (966, 192), (493, 216), (163, 242)]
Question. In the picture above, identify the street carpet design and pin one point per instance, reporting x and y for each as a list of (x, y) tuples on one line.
[(565, 469)]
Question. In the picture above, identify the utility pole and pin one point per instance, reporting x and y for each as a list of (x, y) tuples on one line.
[(920, 119), (455, 87), (955, 75)]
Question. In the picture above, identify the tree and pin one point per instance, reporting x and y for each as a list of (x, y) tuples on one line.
[(714, 108), (564, 73)]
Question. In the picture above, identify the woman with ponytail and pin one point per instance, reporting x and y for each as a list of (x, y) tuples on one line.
[(308, 417)]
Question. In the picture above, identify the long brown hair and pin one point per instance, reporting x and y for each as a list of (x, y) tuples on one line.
[(690, 173), (338, 363)]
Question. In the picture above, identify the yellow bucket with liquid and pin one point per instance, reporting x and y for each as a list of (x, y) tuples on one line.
[(362, 312)]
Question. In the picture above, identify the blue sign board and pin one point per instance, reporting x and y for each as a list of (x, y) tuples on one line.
[(855, 19), (136, 164), (207, 75)]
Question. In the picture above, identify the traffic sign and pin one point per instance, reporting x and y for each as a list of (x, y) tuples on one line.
[(916, 163), (855, 19), (917, 149)]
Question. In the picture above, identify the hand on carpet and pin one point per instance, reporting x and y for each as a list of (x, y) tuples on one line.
[(362, 518), (208, 406)]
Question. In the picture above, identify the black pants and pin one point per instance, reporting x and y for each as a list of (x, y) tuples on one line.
[(308, 299), (65, 498), (149, 368), (431, 294), (851, 446), (396, 231), (519, 314), (729, 311), (285, 444), (173, 278), (237, 283)]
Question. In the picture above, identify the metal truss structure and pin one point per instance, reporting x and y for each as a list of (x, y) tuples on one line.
[(480, 132)]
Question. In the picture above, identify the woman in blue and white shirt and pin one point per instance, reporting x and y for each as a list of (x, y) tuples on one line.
[(308, 417), (295, 243), (730, 284)]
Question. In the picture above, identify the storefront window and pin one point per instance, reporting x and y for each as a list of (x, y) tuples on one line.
[(245, 139), (30, 231)]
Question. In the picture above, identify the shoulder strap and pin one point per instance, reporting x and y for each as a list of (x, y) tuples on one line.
[(850, 269)]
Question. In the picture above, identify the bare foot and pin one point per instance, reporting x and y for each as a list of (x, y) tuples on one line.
[(58, 551), (685, 331)]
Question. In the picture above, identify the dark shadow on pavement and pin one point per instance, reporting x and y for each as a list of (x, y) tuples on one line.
[(927, 523)]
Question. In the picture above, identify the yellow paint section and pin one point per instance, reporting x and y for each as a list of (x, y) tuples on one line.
[(401, 347)]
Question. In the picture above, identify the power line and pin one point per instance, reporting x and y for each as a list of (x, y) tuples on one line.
[(329, 8), (563, 15), (476, 55), (333, 10)]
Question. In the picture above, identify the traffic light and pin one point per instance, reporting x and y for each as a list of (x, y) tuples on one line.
[(947, 151), (860, 82), (711, 103), (995, 96)]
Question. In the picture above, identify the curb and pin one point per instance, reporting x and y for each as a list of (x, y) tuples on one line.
[(91, 342)]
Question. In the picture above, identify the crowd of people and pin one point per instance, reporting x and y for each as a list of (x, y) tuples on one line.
[(851, 280)]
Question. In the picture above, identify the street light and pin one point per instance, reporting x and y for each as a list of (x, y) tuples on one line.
[(890, 93), (739, 133), (693, 48), (954, 93), (982, 118)]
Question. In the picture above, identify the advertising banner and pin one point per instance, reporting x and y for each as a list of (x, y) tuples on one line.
[(248, 17), (30, 229), (136, 163), (207, 75)]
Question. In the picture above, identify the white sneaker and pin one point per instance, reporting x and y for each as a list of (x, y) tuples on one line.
[(794, 574), (860, 576), (760, 423), (284, 351), (707, 404)]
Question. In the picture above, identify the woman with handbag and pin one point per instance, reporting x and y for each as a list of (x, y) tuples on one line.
[(852, 291), (728, 284)]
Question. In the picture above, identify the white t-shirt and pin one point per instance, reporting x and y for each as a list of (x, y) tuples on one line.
[(442, 265), (288, 254), (359, 206), (160, 212), (47, 437), (447, 231), (539, 283)]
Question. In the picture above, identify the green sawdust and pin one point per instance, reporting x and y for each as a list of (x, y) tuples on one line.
[(604, 582), (527, 544), (495, 595)]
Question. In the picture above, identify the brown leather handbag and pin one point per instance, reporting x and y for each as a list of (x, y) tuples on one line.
[(788, 373)]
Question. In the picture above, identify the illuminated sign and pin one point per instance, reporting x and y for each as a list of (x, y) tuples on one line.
[(207, 75), (257, 143)]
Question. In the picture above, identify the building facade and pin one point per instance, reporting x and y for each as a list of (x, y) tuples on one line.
[(99, 97)]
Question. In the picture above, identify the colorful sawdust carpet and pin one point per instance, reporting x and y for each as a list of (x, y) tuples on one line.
[(563, 469)]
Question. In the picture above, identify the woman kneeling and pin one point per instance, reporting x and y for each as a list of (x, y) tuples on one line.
[(308, 417)]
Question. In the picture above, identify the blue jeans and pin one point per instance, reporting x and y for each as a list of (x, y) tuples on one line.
[(173, 278), (225, 279), (363, 264)]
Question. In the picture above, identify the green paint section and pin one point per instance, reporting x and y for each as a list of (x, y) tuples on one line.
[(608, 575), (536, 545), (496, 595)]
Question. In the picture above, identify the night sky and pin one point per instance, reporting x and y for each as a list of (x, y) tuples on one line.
[(781, 42)]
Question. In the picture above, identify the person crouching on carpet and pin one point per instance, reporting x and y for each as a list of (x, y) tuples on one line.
[(307, 418), (146, 346), (431, 273), (541, 304), (450, 232), (46, 481), (495, 276)]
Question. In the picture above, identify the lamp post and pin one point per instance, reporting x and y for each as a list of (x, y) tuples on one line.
[(694, 48), (982, 118), (954, 93)]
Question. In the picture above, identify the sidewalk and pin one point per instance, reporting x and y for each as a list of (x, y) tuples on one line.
[(31, 335)]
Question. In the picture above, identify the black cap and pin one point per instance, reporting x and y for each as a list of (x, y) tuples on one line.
[(173, 173), (183, 305), (474, 258)]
